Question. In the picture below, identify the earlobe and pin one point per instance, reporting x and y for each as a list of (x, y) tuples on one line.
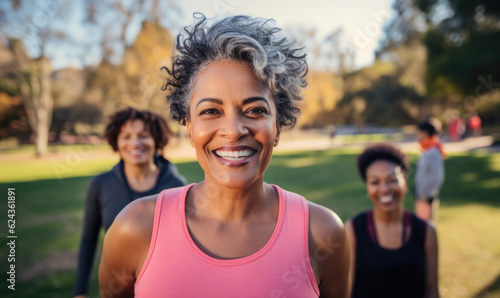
[(189, 132), (277, 137)]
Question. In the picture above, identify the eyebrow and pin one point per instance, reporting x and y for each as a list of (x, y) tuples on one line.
[(210, 99), (245, 101), (254, 99), (383, 175)]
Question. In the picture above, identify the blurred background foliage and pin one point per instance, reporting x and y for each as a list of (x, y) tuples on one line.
[(436, 58)]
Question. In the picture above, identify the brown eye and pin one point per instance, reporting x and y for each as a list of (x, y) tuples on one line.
[(257, 112), (209, 112), (393, 180)]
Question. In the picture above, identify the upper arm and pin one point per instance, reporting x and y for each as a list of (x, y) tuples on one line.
[(352, 241), (330, 250), (431, 253), (92, 216), (125, 247), (91, 226)]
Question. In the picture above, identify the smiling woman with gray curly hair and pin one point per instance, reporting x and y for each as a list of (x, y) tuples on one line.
[(275, 59), (234, 84)]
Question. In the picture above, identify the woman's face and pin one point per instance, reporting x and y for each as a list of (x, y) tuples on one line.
[(233, 124), (135, 143), (386, 185)]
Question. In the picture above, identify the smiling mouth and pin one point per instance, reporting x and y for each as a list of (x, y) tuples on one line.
[(385, 199), (234, 155), (136, 152)]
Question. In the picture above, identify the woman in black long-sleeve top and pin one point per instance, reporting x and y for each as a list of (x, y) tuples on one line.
[(138, 136)]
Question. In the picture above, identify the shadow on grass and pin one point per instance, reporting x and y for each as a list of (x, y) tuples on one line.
[(491, 290), (471, 179)]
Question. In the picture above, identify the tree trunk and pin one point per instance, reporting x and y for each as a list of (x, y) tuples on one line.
[(42, 134), (44, 111), (37, 100)]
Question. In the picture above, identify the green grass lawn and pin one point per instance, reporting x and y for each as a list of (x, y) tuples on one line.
[(49, 212)]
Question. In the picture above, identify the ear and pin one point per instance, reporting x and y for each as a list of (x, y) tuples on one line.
[(189, 129), (277, 137)]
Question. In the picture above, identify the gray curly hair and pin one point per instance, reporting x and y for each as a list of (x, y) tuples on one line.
[(275, 59)]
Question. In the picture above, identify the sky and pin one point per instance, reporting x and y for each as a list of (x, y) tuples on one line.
[(361, 20)]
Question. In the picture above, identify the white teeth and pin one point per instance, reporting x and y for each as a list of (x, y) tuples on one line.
[(385, 199), (233, 155)]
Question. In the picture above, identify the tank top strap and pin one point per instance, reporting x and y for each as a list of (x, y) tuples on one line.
[(167, 208), (296, 222)]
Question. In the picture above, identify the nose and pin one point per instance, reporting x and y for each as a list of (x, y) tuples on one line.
[(136, 141), (384, 187), (233, 127)]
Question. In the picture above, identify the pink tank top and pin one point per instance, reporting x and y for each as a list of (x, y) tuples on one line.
[(176, 267)]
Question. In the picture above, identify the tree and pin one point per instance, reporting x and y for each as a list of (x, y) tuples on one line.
[(402, 45), (328, 60), (385, 102), (33, 32), (142, 62), (463, 43), (404, 29), (129, 73), (320, 98), (32, 74), (33, 79)]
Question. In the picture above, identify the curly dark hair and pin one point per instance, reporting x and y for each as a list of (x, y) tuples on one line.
[(384, 151), (428, 127), (275, 59), (154, 123)]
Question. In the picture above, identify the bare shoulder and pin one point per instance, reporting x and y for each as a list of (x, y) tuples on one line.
[(125, 247), (350, 232), (329, 251), (430, 235), (139, 207), (132, 227), (137, 218), (326, 230), (324, 223), (126, 243)]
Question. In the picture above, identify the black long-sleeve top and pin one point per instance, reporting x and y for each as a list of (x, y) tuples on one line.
[(107, 195)]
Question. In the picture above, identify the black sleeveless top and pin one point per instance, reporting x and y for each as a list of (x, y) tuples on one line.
[(382, 272)]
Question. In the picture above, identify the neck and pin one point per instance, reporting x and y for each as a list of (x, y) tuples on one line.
[(141, 171), (388, 217), (232, 204)]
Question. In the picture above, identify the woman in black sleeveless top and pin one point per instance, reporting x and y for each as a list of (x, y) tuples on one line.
[(394, 253)]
